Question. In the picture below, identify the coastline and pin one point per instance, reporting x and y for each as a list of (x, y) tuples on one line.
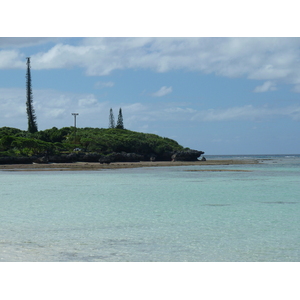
[(94, 166)]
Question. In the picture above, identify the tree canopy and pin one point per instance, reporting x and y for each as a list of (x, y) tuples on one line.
[(32, 124), (97, 140), (111, 119), (120, 124)]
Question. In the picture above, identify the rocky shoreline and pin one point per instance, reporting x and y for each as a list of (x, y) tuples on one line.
[(188, 155)]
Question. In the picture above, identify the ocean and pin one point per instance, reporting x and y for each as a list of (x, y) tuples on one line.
[(232, 213)]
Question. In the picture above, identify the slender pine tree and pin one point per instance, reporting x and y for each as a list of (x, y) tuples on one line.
[(111, 119), (32, 125), (120, 124)]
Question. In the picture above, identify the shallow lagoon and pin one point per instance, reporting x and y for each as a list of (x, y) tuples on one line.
[(154, 214)]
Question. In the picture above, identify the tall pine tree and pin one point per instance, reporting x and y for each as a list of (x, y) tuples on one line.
[(120, 124), (111, 119), (32, 125)]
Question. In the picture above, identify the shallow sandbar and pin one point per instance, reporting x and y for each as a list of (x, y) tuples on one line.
[(86, 166)]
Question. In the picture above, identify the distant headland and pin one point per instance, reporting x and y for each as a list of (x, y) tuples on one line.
[(104, 145)]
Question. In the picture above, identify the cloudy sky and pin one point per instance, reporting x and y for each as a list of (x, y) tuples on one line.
[(219, 95)]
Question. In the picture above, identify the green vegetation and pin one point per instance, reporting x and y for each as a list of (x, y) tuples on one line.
[(54, 141)]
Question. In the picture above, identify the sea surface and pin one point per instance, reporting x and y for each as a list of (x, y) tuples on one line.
[(233, 213)]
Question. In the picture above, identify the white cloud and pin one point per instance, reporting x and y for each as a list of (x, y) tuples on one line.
[(162, 91), (138, 114), (11, 59), (56, 113), (180, 110), (52, 108), (62, 56), (267, 86), (134, 107), (248, 112), (87, 101), (12, 108), (234, 113), (254, 58)]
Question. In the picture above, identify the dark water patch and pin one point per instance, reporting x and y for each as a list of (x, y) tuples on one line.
[(81, 257), (218, 170), (115, 241), (121, 242), (279, 202), (216, 204), (70, 256), (97, 258), (94, 258), (196, 181)]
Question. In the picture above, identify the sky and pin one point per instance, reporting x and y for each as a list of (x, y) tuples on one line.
[(216, 93)]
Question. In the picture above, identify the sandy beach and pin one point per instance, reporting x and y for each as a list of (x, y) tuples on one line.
[(86, 166)]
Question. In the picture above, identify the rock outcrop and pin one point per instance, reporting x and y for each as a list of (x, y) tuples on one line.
[(15, 160), (121, 157), (64, 158), (90, 157), (188, 155), (41, 160)]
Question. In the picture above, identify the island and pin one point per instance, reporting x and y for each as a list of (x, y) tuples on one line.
[(69, 144), (72, 148)]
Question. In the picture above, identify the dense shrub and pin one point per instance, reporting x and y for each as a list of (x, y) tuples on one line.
[(98, 140)]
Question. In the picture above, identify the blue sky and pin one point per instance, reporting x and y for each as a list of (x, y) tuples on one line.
[(219, 95)]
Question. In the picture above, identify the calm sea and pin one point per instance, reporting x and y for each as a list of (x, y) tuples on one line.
[(242, 213)]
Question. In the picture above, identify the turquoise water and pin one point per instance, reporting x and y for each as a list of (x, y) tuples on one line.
[(154, 214)]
